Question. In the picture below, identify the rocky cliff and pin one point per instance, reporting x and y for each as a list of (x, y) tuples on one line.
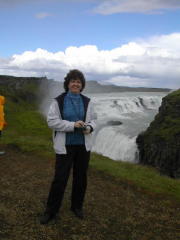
[(159, 145), (28, 89)]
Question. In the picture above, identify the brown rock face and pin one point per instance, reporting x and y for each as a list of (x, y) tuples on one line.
[(159, 145)]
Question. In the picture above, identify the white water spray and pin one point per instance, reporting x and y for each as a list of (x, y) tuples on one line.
[(121, 117)]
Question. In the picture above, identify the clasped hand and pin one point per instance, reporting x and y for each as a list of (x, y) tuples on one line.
[(81, 124)]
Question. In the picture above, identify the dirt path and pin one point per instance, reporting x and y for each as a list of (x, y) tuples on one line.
[(113, 210)]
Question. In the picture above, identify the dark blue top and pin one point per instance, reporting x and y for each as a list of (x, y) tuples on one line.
[(73, 111)]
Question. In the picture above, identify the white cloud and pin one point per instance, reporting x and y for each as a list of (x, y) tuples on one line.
[(153, 62), (107, 7), (42, 15), (12, 3), (138, 6)]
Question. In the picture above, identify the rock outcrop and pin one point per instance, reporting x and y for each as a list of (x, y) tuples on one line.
[(159, 145), (27, 89)]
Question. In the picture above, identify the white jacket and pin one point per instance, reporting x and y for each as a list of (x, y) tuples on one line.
[(61, 127)]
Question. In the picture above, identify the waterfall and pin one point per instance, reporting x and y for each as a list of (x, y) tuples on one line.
[(121, 117)]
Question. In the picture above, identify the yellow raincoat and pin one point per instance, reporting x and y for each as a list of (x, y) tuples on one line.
[(2, 120)]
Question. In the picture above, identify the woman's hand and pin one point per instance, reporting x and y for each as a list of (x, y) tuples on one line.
[(87, 130), (79, 124)]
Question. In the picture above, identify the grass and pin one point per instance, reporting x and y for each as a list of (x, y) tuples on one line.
[(124, 201), (143, 177), (27, 129), (114, 209), (167, 124)]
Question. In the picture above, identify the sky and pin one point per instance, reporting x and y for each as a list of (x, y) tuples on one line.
[(122, 42)]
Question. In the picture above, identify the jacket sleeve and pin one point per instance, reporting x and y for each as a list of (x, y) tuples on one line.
[(91, 121), (55, 122), (2, 120)]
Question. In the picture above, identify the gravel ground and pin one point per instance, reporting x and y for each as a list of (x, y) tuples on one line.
[(114, 209)]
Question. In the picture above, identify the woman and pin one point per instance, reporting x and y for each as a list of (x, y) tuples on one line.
[(72, 118)]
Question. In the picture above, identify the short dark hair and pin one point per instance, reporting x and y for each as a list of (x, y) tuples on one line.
[(74, 74)]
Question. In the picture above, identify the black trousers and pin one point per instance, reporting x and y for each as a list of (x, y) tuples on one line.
[(78, 158)]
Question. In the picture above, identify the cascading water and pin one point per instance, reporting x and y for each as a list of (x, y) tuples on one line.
[(121, 117)]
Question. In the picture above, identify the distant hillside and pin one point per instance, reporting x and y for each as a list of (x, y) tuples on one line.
[(95, 87), (28, 87), (20, 88)]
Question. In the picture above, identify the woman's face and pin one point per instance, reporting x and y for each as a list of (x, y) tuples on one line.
[(75, 86)]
